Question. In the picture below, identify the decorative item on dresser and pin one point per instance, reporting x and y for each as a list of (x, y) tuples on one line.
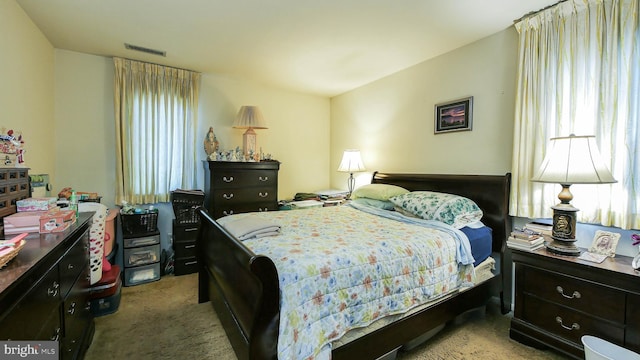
[(14, 186), (558, 299), (44, 290), (249, 117), (236, 187), (570, 160)]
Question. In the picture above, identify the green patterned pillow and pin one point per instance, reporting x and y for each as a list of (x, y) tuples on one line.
[(454, 210)]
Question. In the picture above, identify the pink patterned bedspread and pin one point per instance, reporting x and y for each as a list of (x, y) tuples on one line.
[(341, 268)]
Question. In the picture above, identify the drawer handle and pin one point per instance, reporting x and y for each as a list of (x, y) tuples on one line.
[(263, 209), (191, 262), (263, 195), (53, 290), (575, 295), (228, 197), (266, 178), (227, 179), (189, 246), (56, 335), (70, 267), (230, 212), (72, 308), (573, 326), (190, 229)]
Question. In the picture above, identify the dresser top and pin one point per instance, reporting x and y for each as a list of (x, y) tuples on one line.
[(37, 246), (620, 265)]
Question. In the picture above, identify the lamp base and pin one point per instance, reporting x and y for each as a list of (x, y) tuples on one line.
[(249, 144), (562, 248), (563, 232)]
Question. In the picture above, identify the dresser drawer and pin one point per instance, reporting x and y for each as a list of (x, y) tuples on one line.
[(568, 323), (73, 263), (227, 209), (184, 232), (224, 179), (141, 255), (581, 295), (184, 249), (185, 266), (244, 195)]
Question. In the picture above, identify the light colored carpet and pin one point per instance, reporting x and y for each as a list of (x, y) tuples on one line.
[(163, 320)]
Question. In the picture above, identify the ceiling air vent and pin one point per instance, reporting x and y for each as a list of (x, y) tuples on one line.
[(145, 50)]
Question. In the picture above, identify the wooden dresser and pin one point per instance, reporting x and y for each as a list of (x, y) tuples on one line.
[(14, 186), (237, 187), (44, 290), (558, 299)]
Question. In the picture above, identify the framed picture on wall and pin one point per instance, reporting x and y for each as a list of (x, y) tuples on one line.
[(454, 115)]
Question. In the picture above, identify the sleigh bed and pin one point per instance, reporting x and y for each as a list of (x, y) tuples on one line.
[(244, 287)]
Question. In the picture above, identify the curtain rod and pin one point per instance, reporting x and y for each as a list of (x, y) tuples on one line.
[(152, 63), (531, 13)]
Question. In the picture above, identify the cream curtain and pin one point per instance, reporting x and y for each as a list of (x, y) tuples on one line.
[(156, 120), (579, 72)]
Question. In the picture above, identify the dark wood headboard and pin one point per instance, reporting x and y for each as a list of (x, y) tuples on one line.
[(489, 192)]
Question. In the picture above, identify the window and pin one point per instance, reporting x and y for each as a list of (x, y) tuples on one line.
[(156, 121), (578, 73)]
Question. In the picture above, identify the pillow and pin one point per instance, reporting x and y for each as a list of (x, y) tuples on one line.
[(380, 204), (454, 210), (378, 191)]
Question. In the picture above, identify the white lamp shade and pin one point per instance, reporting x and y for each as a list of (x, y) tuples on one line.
[(351, 162), (573, 160), (249, 117)]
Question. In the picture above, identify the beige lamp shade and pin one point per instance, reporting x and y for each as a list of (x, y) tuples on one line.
[(573, 160), (351, 162), (250, 117)]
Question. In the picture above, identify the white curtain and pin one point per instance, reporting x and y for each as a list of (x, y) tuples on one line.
[(156, 120), (579, 73)]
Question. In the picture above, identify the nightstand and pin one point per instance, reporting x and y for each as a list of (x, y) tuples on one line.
[(558, 299)]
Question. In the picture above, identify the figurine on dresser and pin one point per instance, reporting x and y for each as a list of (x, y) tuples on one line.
[(211, 143)]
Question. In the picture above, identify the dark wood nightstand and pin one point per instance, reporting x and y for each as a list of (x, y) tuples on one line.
[(558, 299)]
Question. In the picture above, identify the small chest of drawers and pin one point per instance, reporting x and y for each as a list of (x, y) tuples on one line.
[(236, 187), (558, 299)]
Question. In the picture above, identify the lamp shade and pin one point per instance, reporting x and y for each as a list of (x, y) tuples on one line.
[(351, 162), (573, 160), (249, 117)]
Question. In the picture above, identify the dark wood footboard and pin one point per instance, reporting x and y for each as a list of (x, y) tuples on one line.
[(244, 290)]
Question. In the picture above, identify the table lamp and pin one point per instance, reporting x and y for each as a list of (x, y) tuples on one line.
[(570, 160), (351, 162), (249, 117)]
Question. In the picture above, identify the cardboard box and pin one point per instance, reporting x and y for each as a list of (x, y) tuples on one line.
[(57, 221), (36, 204), (23, 219)]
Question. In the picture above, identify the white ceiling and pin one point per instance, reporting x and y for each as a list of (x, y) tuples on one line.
[(323, 47)]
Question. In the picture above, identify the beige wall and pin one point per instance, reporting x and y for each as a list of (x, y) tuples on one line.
[(26, 87), (298, 133), (392, 120)]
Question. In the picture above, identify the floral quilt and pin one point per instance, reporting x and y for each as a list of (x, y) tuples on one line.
[(342, 268)]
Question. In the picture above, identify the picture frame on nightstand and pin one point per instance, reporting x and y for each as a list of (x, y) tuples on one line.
[(605, 243)]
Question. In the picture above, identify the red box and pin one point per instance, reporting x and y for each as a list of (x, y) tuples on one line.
[(57, 221)]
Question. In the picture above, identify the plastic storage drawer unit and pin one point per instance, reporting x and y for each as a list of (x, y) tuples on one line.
[(141, 255), (141, 274)]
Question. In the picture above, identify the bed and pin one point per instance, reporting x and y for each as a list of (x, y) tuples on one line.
[(244, 287)]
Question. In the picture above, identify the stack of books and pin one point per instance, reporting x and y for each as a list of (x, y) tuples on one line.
[(543, 228), (525, 239)]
